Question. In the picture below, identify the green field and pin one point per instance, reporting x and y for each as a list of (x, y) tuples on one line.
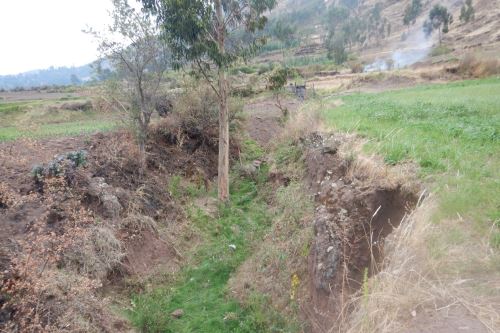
[(38, 119), (451, 131)]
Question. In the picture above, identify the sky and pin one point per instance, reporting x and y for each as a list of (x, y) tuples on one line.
[(37, 34)]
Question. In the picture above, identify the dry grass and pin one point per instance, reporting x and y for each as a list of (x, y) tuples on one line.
[(477, 67), (414, 280), (301, 123), (97, 253)]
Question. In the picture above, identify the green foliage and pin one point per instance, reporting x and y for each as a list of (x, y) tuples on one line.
[(174, 186), (284, 32), (277, 80), (190, 26), (450, 130), (38, 172), (337, 50), (346, 27), (467, 11), (439, 19), (412, 11), (79, 158)]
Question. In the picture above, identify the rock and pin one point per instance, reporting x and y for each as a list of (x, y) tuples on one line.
[(177, 313), (112, 207), (97, 187)]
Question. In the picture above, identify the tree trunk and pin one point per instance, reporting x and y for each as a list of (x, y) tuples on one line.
[(223, 168)]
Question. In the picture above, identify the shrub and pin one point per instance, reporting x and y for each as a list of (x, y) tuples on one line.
[(356, 67), (79, 158), (440, 50), (198, 109)]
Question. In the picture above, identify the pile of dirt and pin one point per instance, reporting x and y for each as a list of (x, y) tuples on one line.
[(353, 217), (69, 234)]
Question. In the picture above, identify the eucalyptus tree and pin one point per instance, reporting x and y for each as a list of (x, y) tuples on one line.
[(412, 11), (439, 19), (199, 32)]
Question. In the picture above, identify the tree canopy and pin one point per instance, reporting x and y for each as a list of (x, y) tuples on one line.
[(439, 19), (412, 11)]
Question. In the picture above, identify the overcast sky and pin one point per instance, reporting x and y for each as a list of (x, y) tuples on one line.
[(37, 34)]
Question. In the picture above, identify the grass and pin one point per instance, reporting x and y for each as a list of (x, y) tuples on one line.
[(39, 119), (451, 131), (200, 290)]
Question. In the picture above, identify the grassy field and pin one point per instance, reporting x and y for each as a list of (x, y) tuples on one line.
[(451, 131), (36, 119)]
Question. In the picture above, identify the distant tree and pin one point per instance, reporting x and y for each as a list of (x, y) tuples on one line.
[(336, 49), (132, 47), (467, 12), (75, 80), (440, 20), (412, 11), (199, 32), (376, 25), (284, 32)]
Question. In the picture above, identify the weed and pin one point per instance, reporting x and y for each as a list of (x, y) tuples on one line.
[(174, 186)]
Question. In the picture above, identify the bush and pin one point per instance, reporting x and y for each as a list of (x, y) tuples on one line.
[(62, 164), (198, 109), (356, 67)]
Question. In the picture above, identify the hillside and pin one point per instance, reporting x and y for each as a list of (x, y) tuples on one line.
[(47, 77), (405, 45)]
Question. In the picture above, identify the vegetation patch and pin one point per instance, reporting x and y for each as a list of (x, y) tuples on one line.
[(198, 298)]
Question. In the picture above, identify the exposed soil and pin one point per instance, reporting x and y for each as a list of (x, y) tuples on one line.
[(65, 237), (353, 217), (264, 123)]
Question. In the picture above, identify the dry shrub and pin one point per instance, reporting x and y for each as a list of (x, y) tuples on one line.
[(471, 65), (198, 108), (96, 254), (303, 122), (135, 223), (356, 67), (8, 197), (58, 266), (421, 278), (77, 106)]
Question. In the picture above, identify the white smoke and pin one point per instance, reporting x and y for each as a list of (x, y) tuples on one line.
[(414, 48)]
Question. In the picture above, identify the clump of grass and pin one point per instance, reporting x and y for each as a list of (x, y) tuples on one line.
[(440, 50)]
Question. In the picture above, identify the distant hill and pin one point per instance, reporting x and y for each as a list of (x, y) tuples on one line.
[(48, 77)]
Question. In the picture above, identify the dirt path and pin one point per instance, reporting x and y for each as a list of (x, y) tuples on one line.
[(264, 118)]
